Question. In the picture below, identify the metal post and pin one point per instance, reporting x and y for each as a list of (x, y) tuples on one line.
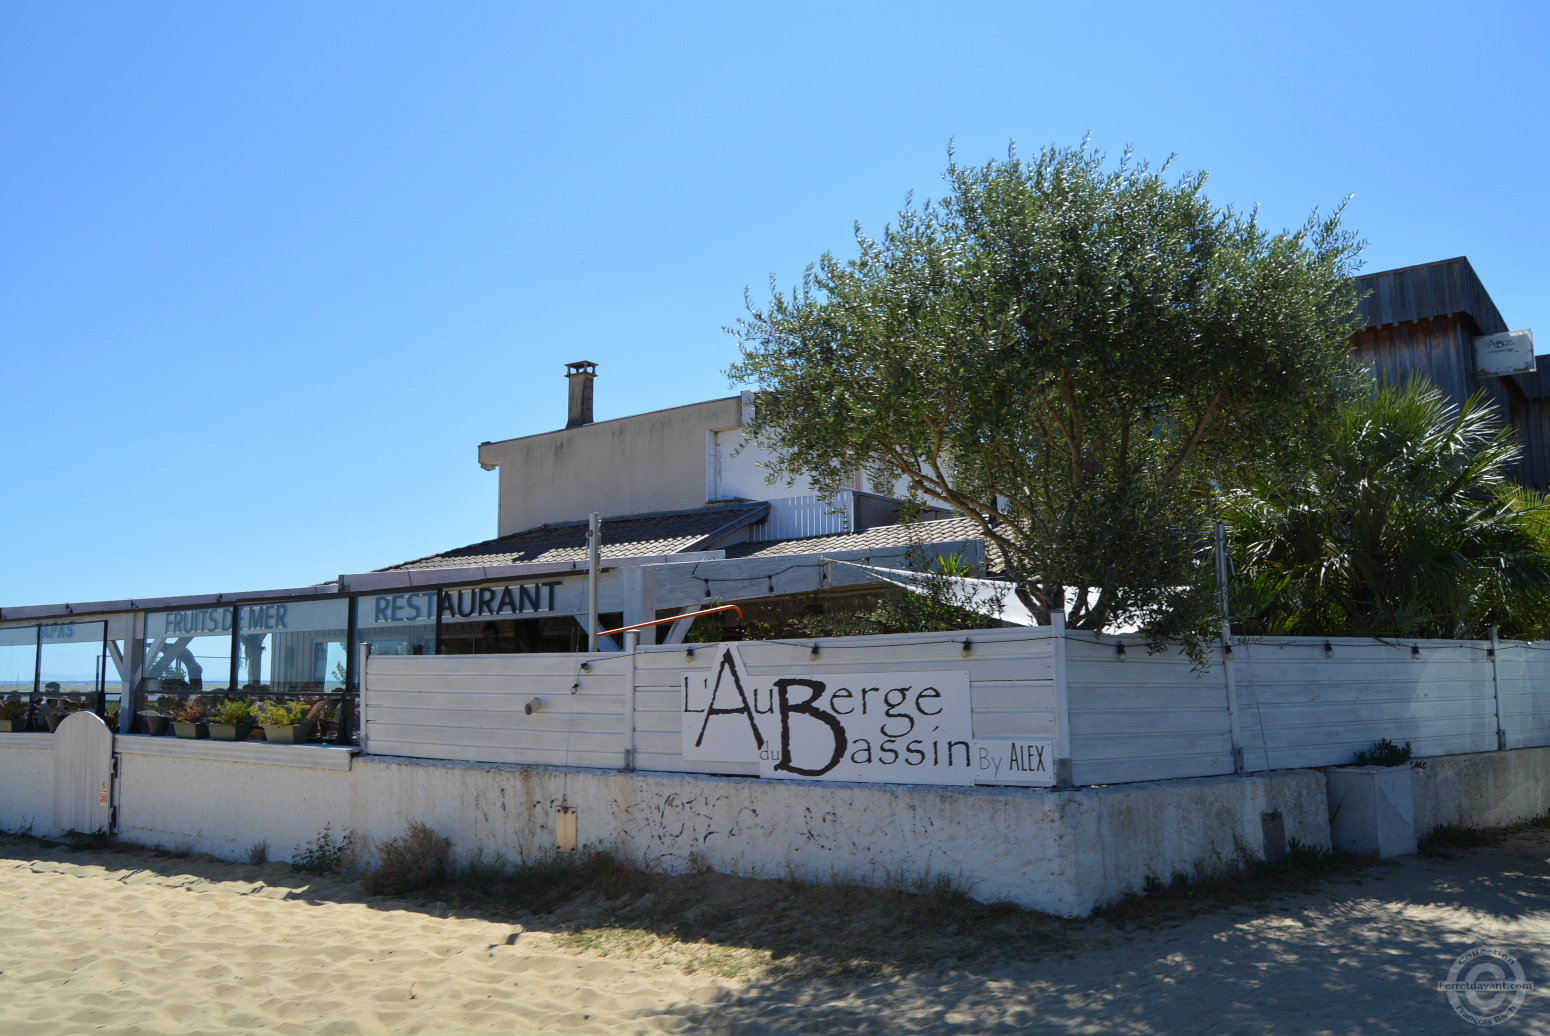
[(236, 650), (1496, 689), (631, 645), (1234, 731), (594, 538), (134, 670), (1057, 618), (441, 595), (363, 653), (351, 634)]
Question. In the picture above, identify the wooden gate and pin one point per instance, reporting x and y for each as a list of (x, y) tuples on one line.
[(83, 774)]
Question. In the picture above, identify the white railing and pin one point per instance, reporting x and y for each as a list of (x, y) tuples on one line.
[(1122, 717), (799, 517)]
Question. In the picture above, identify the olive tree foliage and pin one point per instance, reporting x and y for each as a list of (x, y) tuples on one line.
[(1071, 354)]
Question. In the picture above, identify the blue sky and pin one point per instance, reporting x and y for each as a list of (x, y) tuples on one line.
[(270, 272)]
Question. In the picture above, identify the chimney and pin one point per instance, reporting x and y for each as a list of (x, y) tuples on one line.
[(580, 375)]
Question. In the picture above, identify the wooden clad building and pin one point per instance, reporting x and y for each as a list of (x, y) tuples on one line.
[(1425, 319)]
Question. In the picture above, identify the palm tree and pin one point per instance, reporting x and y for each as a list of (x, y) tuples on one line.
[(1409, 525)]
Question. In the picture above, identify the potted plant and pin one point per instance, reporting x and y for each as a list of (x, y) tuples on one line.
[(13, 717), (286, 723), (232, 721), (188, 720)]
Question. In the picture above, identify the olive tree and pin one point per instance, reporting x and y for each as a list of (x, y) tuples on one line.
[(1074, 355)]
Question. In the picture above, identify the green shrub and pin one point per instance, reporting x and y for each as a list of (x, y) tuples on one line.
[(279, 713), (13, 710), (233, 712), (98, 839), (1384, 753), (1457, 835), (1409, 524), (325, 854), (411, 861)]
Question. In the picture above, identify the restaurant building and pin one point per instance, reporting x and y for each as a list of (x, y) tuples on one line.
[(688, 519)]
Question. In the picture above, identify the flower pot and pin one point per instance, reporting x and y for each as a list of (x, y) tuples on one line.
[(154, 723), (230, 731), (288, 733), (190, 730), (13, 726)]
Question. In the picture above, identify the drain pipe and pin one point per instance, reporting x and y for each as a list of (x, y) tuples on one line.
[(594, 538)]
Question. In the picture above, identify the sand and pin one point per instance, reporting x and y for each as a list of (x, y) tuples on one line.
[(126, 941)]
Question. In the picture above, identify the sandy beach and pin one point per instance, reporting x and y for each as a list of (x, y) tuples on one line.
[(129, 941)]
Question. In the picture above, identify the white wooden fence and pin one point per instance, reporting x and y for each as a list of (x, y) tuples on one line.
[(1116, 716), (471, 707)]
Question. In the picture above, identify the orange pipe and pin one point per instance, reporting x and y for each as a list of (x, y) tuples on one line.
[(675, 618)]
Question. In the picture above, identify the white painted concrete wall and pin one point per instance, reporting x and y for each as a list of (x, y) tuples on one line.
[(1484, 789), (629, 465), (27, 783), (1062, 852), (738, 469)]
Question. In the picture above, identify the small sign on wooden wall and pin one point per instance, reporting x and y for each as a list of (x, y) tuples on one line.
[(1511, 352)]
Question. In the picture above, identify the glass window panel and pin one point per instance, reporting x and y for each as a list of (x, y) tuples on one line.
[(501, 618), (70, 664), (506, 636), (397, 624), (292, 647), (18, 659), (188, 651)]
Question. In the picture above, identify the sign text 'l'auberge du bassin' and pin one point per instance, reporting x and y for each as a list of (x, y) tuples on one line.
[(894, 727)]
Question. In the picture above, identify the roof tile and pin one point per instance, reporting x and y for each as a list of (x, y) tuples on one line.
[(942, 531), (628, 536)]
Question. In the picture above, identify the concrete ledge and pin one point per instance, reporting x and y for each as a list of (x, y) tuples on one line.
[(27, 783), (1062, 852), (1486, 789), (317, 757)]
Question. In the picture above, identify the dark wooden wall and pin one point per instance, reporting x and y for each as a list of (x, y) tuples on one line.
[(1430, 290), (1424, 320), (1441, 348)]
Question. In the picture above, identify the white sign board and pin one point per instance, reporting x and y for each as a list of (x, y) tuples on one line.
[(1511, 352), (893, 727)]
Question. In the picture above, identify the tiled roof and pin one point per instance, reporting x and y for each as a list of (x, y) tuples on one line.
[(882, 536), (630, 536)]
